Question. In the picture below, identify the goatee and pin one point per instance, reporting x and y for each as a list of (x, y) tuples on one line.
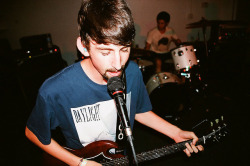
[(106, 77)]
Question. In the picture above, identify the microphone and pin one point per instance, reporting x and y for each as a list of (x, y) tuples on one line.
[(116, 89)]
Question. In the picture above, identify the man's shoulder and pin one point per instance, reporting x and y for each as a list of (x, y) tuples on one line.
[(132, 68), (170, 29), (60, 78), (153, 30)]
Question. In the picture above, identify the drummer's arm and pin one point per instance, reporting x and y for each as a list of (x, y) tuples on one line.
[(177, 42), (147, 46)]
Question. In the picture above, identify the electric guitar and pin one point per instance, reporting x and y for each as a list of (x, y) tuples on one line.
[(101, 151)]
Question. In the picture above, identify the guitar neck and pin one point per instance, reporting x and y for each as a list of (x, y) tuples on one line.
[(153, 154)]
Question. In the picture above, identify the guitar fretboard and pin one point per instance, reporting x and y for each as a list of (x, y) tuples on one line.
[(153, 154)]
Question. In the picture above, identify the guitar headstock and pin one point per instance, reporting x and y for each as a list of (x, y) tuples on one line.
[(211, 130), (218, 130)]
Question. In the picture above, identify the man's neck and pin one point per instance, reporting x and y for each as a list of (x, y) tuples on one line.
[(162, 30), (91, 72)]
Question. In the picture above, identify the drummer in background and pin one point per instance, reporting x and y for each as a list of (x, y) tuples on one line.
[(160, 38)]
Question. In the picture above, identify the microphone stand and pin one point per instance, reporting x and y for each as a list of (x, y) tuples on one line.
[(116, 88), (122, 113)]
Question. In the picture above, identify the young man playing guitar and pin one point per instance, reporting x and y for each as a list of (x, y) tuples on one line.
[(76, 99)]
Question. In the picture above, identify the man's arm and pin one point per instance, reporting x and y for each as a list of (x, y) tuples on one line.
[(57, 151), (147, 46), (176, 41), (155, 122)]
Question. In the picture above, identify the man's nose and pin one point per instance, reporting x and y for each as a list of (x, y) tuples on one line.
[(117, 61)]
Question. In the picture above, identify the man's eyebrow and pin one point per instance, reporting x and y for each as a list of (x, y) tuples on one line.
[(107, 48), (104, 48)]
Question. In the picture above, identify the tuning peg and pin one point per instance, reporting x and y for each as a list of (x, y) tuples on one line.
[(223, 121), (217, 121), (218, 129)]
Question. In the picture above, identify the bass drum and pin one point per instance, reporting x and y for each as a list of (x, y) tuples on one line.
[(167, 94)]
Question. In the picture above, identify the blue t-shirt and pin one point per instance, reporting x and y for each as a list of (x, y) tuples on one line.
[(84, 110)]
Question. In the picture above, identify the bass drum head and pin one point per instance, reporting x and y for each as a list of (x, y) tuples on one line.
[(167, 94), (161, 78), (169, 100)]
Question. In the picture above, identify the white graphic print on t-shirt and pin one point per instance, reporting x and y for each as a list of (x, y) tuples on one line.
[(97, 121)]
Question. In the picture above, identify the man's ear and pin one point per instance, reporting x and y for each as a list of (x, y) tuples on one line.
[(81, 47)]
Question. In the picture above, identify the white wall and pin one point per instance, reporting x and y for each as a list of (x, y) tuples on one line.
[(20, 18), (182, 13)]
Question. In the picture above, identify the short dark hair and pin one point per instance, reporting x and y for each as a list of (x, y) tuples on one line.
[(163, 16), (106, 21)]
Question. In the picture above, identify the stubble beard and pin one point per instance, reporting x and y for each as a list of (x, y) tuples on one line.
[(106, 77)]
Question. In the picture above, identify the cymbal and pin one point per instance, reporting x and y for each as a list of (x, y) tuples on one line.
[(202, 23)]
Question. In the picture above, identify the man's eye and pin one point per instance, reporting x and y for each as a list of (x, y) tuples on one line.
[(106, 53), (125, 50)]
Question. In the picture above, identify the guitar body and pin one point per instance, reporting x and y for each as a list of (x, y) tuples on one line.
[(98, 151)]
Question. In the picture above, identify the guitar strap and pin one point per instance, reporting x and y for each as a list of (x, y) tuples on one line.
[(120, 134)]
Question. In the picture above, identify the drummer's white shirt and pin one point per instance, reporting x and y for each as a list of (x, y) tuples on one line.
[(154, 36)]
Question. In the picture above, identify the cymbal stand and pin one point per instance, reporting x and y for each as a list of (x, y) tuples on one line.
[(205, 39)]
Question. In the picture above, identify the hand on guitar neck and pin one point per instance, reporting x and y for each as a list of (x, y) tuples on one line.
[(192, 147)]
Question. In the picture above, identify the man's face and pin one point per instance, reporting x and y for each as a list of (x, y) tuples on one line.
[(108, 59), (161, 24)]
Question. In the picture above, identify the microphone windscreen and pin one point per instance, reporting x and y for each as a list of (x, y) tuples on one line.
[(115, 84)]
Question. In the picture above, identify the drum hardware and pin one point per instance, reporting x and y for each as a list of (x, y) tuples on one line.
[(203, 23), (140, 53), (146, 66), (221, 31), (160, 79), (193, 80), (187, 66), (142, 63), (170, 92), (186, 75), (165, 76), (184, 57)]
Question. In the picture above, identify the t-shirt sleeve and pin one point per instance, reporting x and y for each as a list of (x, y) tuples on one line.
[(144, 103), (149, 37), (174, 36), (42, 120)]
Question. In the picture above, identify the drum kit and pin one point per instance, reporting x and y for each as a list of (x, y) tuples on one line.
[(170, 91), (184, 60)]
